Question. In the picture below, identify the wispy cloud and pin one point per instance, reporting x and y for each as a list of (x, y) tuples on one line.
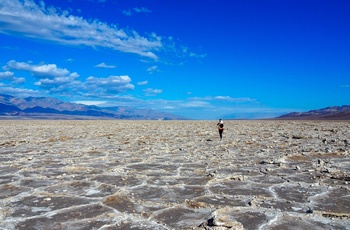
[(142, 83), (196, 104), (9, 47), (142, 10), (130, 12), (226, 99), (26, 17), (103, 65), (70, 60), (23, 18), (90, 102), (231, 99), (345, 86), (152, 69), (152, 92), (127, 12)]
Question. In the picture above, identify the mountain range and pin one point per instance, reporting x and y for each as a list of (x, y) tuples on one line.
[(328, 113), (52, 108)]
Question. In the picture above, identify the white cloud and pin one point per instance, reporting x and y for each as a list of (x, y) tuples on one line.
[(9, 76), (196, 104), (111, 84), (195, 55), (98, 103), (20, 92), (231, 99), (152, 69), (38, 22), (142, 10), (103, 65), (6, 75), (41, 70), (142, 83), (127, 12), (169, 107), (152, 92), (130, 12), (226, 99), (18, 80), (58, 80)]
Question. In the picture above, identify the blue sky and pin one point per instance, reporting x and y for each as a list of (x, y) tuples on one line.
[(200, 59)]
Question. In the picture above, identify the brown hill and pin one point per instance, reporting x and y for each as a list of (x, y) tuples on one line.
[(328, 113)]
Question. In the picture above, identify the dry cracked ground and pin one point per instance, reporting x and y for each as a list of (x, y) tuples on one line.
[(174, 175)]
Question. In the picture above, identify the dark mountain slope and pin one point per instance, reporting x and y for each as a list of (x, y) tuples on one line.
[(328, 113)]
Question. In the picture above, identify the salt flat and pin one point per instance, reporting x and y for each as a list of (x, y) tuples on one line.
[(174, 175)]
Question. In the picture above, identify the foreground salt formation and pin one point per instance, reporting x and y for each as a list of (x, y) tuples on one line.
[(174, 175)]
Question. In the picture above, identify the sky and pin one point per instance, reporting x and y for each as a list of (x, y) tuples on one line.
[(209, 59)]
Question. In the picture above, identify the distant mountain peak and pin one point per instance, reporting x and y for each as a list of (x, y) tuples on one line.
[(328, 113)]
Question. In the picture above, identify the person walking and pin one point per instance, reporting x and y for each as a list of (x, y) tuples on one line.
[(220, 126)]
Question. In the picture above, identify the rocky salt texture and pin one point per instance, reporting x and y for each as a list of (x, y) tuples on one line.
[(174, 175)]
